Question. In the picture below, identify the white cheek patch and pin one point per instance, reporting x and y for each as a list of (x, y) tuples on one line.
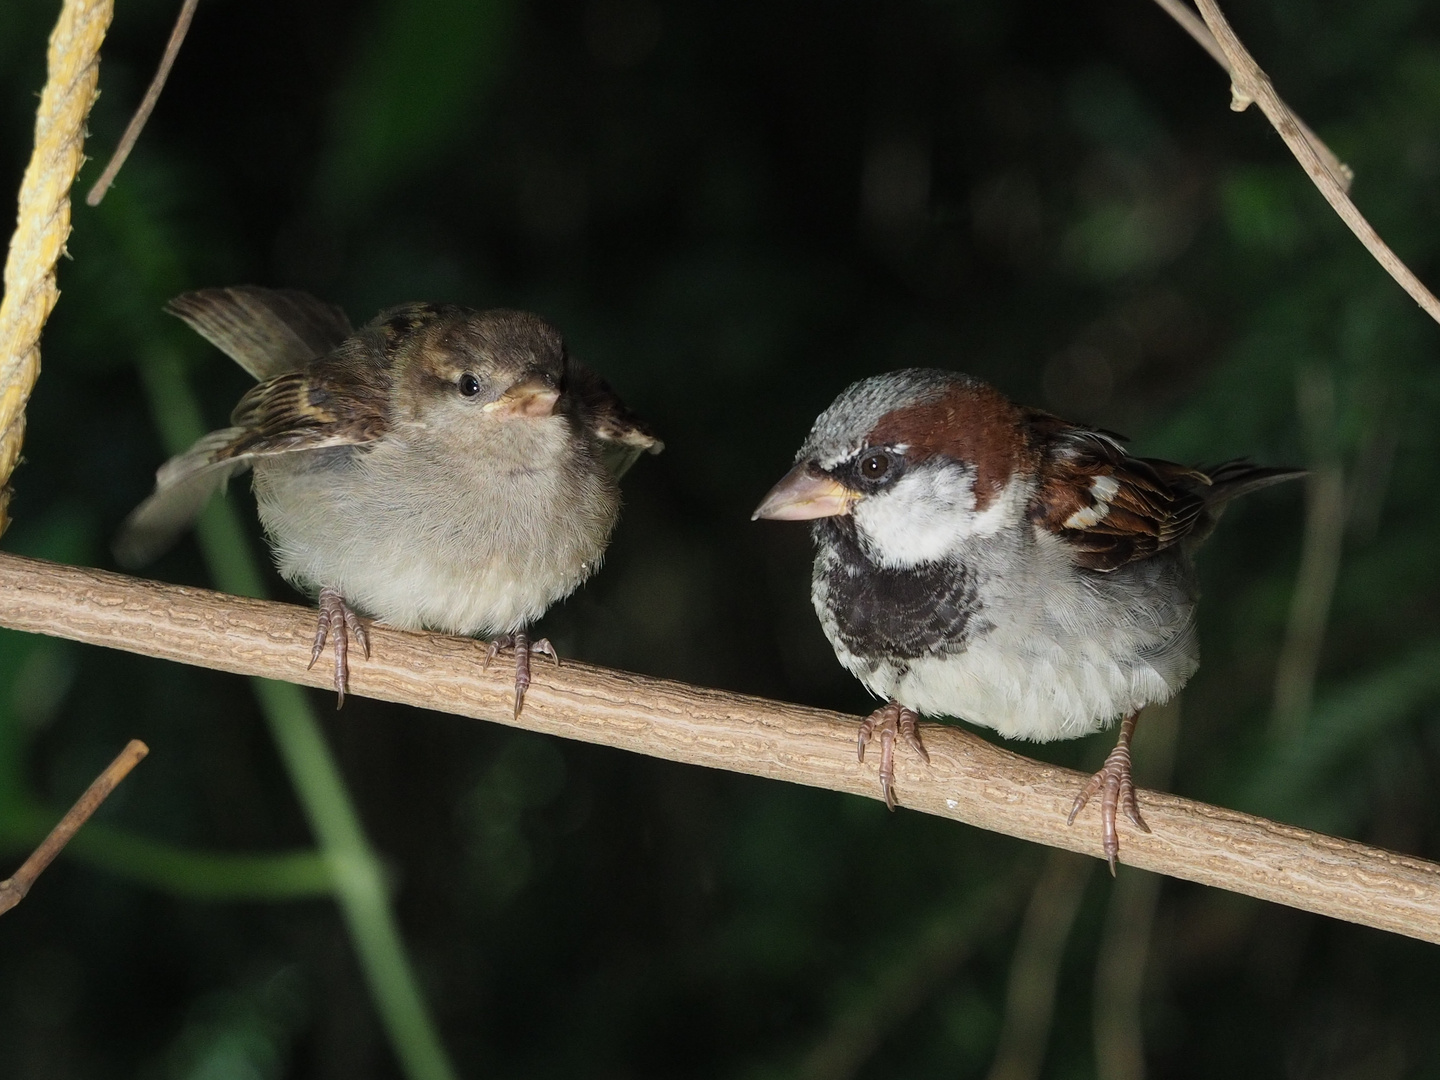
[(920, 518), (1102, 490), (928, 514)]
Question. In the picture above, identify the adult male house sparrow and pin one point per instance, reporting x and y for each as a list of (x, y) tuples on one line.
[(441, 468), (995, 563)]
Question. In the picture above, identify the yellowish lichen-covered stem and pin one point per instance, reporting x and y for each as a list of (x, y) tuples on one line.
[(43, 220)]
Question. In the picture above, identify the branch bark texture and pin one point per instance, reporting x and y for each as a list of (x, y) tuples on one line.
[(968, 779)]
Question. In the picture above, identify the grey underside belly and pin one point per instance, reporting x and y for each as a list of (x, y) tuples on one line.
[(435, 548)]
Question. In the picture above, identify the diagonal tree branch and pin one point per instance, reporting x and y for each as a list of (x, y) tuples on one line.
[(1249, 83), (13, 889), (146, 106), (1193, 25), (968, 780)]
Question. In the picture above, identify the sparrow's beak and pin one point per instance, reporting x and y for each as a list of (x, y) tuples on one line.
[(531, 396), (804, 494)]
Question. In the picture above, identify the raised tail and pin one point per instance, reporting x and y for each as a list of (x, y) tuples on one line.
[(1231, 479)]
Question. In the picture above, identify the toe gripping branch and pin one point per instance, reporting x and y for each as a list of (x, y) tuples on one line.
[(524, 649), (889, 720), (336, 614), (1114, 780)]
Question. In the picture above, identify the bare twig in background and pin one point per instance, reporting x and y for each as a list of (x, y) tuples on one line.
[(968, 779), (147, 104), (13, 889), (1129, 922), (1249, 83), (938, 951), (1325, 516), (1192, 24), (1035, 967), (1369, 481), (44, 217)]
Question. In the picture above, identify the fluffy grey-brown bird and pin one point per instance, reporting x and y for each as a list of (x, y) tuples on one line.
[(441, 468), (985, 561)]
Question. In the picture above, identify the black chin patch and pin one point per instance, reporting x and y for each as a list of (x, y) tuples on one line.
[(899, 614)]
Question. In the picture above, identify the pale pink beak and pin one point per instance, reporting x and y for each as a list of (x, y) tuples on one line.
[(803, 495), (532, 396)]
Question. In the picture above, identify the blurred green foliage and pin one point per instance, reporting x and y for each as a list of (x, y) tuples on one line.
[(733, 210)]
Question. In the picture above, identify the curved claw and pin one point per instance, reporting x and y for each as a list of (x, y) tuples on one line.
[(1118, 787), (889, 720), (910, 731), (524, 649), (336, 614)]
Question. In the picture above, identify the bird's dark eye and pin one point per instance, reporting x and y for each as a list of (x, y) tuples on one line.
[(874, 465), (469, 385)]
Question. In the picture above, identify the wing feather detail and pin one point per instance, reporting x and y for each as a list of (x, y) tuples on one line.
[(266, 331), (1113, 509), (329, 404), (290, 413), (1110, 507)]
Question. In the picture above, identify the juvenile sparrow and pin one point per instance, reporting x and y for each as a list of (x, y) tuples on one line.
[(995, 563), (441, 468)]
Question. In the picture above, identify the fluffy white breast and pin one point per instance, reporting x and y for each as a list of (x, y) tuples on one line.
[(422, 533)]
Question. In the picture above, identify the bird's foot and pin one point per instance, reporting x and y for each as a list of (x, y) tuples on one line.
[(1118, 789), (889, 720), (524, 649), (336, 614)]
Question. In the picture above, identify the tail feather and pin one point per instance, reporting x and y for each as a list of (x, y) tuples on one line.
[(182, 487), (1231, 479)]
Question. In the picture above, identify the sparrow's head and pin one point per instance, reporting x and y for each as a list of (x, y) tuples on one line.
[(919, 460), (457, 365)]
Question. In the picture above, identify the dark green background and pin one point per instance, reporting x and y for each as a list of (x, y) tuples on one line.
[(733, 210)]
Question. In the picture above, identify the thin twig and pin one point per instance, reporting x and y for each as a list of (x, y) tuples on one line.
[(968, 779), (1192, 24), (1248, 82), (147, 104), (13, 889)]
